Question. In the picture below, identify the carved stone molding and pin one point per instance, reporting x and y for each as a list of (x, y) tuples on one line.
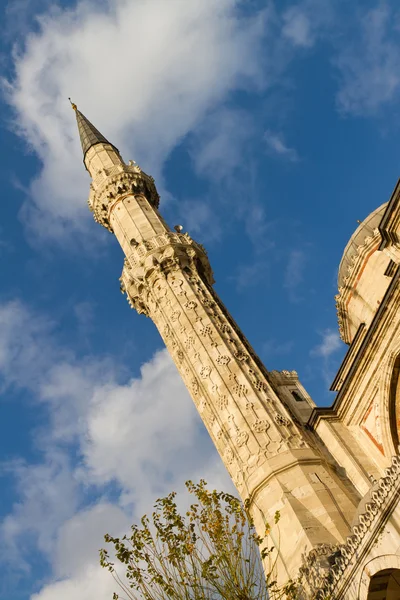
[(158, 257), (115, 183)]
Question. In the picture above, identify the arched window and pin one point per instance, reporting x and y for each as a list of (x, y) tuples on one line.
[(385, 585), (394, 404)]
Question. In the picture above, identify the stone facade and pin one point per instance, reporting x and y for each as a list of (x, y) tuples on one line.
[(332, 473)]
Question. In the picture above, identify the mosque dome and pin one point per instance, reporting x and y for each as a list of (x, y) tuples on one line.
[(362, 279), (363, 231)]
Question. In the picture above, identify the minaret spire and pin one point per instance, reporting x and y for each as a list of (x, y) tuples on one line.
[(88, 134)]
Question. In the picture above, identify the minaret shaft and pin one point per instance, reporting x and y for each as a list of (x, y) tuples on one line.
[(267, 451), (168, 278)]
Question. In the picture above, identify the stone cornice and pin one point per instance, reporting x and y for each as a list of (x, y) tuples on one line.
[(159, 254), (114, 184)]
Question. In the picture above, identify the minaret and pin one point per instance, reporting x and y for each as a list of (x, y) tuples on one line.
[(273, 459)]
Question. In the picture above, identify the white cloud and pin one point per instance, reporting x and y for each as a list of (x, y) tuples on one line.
[(84, 315), (297, 27), (330, 343), (257, 227), (93, 583), (200, 217), (329, 346), (23, 344), (251, 274), (219, 144), (294, 273), (145, 73), (277, 146), (271, 348), (144, 437), (146, 431), (369, 63), (89, 527), (304, 22), (47, 496)]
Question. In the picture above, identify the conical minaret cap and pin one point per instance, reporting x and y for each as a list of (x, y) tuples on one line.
[(89, 135)]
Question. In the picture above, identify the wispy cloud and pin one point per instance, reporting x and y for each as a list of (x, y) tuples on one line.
[(142, 437), (252, 274), (200, 218), (368, 62), (329, 345), (297, 27), (219, 143), (306, 21), (271, 348), (365, 48), (277, 146), (294, 273), (191, 56)]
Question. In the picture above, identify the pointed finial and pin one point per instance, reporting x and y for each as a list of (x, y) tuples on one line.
[(89, 135)]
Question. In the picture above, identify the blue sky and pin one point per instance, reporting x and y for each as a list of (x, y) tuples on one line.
[(270, 129)]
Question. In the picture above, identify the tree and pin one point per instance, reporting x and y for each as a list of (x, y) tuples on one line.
[(211, 553)]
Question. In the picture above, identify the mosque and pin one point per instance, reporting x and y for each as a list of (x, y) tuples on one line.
[(333, 473)]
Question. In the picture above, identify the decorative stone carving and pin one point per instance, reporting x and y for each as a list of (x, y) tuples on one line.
[(241, 439), (222, 359), (281, 420), (259, 385), (241, 356), (194, 387), (175, 315), (228, 456), (260, 426), (205, 372), (222, 401), (189, 342), (190, 305), (205, 331), (226, 329), (240, 390)]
